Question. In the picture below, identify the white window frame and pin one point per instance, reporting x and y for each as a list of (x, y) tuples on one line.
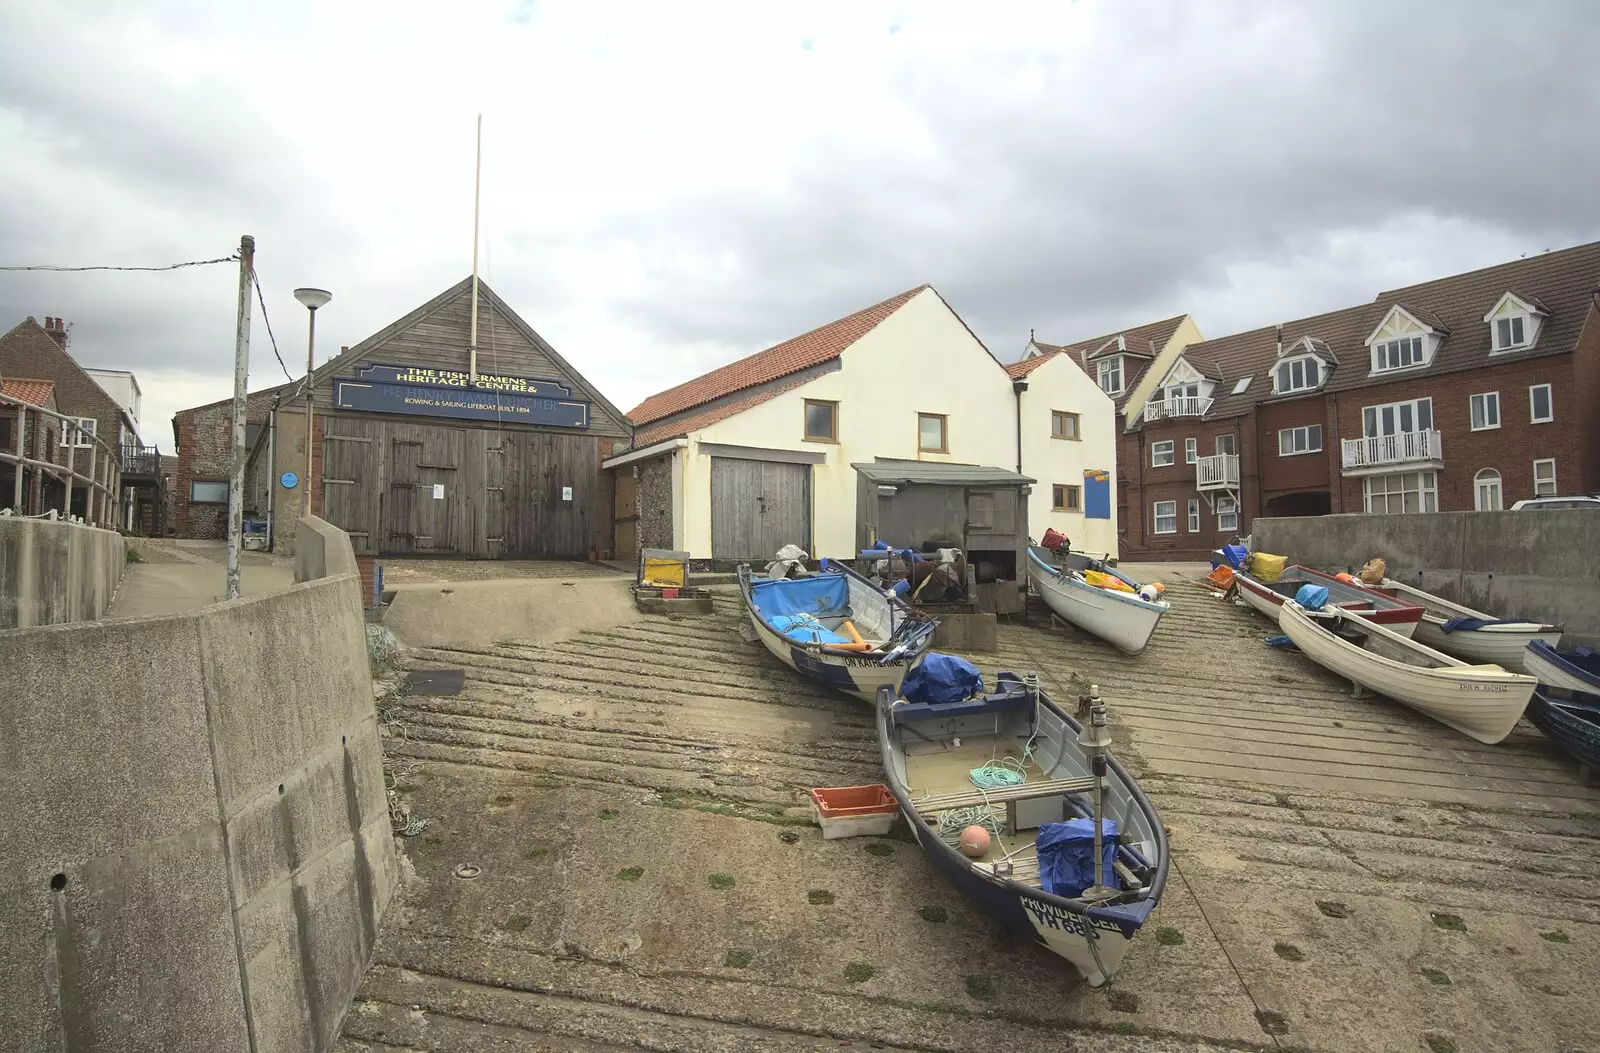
[(1549, 404), (1551, 461), (1416, 351), (83, 435), (1164, 446), (1305, 362), (1106, 367), (1290, 434), (1191, 451), (1242, 384), (1427, 491), (1483, 487), (1472, 414), (1227, 513), (1523, 322), (1377, 416), (1226, 441), (1155, 509), (1194, 515)]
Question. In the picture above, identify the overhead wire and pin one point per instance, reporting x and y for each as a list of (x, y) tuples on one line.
[(107, 267), (255, 279)]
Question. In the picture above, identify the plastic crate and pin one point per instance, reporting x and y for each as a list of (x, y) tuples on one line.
[(853, 811)]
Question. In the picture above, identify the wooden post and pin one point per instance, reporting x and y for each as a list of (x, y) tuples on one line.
[(69, 433), (22, 445), (241, 369), (89, 495)]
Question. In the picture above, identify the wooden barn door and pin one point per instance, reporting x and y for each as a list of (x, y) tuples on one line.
[(350, 479), (757, 507)]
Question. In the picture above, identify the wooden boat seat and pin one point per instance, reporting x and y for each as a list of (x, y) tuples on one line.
[(1026, 791)]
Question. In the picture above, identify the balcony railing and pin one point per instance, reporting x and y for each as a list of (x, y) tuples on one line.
[(141, 460), (1220, 471), (1399, 448), (1176, 406)]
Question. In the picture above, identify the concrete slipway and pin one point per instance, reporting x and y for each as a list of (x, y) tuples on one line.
[(1348, 876)]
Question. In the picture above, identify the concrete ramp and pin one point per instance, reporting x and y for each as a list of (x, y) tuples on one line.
[(474, 614)]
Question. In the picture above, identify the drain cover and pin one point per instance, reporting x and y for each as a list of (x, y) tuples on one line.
[(434, 682)]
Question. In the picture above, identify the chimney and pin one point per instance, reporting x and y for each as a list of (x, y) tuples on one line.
[(1280, 341), (57, 328)]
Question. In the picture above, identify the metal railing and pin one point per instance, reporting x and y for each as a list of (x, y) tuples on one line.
[(93, 466), (1218, 471), (1393, 449), (141, 460), (1176, 406)]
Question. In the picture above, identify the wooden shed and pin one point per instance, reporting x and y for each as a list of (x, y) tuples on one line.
[(980, 510)]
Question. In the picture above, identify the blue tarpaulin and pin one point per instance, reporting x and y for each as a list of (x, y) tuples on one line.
[(806, 629), (1311, 597), (821, 594), (1457, 624), (1066, 856), (941, 678)]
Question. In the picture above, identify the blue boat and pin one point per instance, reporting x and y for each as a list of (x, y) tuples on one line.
[(1571, 723), (1577, 670), (837, 627), (942, 763)]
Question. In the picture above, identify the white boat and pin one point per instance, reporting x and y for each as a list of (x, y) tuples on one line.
[(1481, 701), (1505, 643), (838, 628), (1120, 618), (1265, 597)]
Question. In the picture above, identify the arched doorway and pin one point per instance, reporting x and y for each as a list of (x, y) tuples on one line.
[(1486, 491), (1308, 503)]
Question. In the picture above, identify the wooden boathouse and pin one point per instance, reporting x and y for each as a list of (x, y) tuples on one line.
[(414, 453)]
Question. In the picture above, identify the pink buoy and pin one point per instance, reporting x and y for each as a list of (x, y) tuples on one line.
[(974, 842)]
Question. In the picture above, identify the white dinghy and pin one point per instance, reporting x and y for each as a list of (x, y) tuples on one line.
[(1120, 618), (1469, 634), (1481, 701)]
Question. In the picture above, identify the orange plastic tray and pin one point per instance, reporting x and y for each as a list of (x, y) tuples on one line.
[(839, 802)]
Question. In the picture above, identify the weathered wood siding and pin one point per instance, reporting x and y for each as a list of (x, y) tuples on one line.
[(439, 339), (757, 507), (446, 490)]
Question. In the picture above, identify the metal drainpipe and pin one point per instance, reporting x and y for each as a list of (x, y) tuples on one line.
[(1018, 386), (272, 473)]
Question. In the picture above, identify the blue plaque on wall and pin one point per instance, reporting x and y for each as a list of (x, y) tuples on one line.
[(378, 388), (289, 480)]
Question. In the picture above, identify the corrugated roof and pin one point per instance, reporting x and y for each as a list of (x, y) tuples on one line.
[(822, 344), (33, 392), (939, 473)]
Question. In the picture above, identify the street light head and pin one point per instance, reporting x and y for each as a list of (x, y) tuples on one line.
[(313, 298)]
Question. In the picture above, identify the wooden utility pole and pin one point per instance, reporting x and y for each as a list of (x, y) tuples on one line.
[(241, 374)]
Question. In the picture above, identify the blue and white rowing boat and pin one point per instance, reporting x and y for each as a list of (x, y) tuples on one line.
[(1577, 670), (837, 627), (935, 757)]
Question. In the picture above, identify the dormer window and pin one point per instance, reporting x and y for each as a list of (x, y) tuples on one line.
[(1404, 341), (1514, 323), (1110, 373), (1298, 374), (1397, 354)]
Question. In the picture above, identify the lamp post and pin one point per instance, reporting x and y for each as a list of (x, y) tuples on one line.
[(312, 299)]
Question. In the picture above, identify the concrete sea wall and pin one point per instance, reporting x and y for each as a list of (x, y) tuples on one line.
[(198, 848), (53, 572), (1527, 564)]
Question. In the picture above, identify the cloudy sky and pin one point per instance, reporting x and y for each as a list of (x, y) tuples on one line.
[(670, 186)]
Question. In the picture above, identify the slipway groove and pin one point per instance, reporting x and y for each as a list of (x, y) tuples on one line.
[(1279, 790)]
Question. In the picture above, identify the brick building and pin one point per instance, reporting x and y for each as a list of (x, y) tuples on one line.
[(1350, 411), (414, 452)]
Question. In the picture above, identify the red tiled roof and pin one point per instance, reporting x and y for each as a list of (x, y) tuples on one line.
[(722, 411), (1028, 365), (820, 345), (33, 392)]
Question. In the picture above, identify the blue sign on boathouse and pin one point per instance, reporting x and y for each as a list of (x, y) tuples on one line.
[(415, 390)]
